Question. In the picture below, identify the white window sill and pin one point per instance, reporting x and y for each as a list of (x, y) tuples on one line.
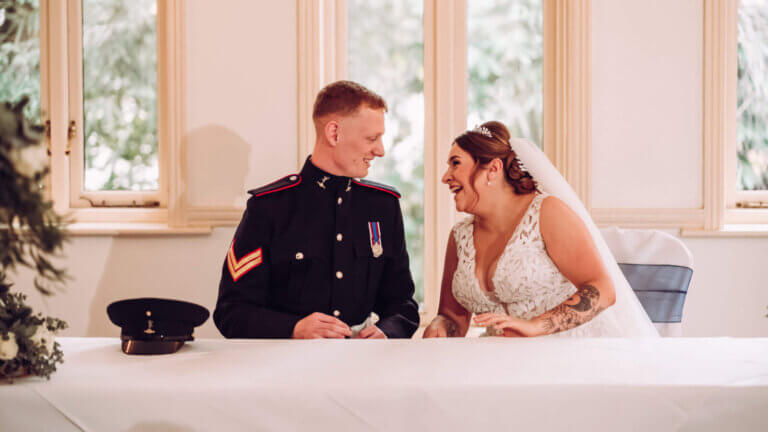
[(132, 229), (735, 230)]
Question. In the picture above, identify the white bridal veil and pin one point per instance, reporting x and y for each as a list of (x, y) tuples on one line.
[(626, 318)]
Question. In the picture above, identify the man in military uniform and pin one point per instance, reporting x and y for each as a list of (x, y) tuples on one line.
[(318, 251)]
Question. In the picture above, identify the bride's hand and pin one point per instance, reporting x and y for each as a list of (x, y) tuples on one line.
[(505, 325), (435, 330)]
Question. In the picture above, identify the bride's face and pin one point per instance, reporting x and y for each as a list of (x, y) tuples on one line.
[(458, 177)]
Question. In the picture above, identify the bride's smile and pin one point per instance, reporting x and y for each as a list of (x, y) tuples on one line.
[(458, 177)]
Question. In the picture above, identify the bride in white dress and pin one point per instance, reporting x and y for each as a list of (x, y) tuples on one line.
[(524, 262)]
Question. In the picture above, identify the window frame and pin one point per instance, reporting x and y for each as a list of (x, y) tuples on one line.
[(735, 198), (718, 216), (567, 98), (61, 92), (79, 196), (722, 216)]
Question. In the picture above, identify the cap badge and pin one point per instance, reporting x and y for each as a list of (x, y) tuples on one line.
[(374, 231), (149, 329)]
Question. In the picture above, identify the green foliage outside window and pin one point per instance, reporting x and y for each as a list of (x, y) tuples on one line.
[(505, 59), (752, 108), (120, 94), (385, 52), (119, 85), (20, 54)]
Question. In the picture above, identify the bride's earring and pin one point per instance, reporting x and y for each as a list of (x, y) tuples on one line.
[(489, 182)]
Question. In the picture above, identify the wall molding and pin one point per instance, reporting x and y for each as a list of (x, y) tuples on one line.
[(214, 215), (746, 216), (664, 218), (132, 229)]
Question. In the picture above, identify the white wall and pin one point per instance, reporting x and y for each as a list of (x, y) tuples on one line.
[(106, 269), (647, 150), (729, 295), (646, 103), (241, 124), (241, 97)]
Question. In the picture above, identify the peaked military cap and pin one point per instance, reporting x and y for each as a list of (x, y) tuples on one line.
[(155, 325)]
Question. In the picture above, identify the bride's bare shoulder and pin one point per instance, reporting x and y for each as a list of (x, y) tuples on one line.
[(556, 219), (553, 206)]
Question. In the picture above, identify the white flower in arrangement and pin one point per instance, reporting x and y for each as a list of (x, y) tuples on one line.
[(8, 347), (43, 337), (30, 159)]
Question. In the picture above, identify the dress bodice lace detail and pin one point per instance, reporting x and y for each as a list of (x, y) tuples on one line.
[(526, 281)]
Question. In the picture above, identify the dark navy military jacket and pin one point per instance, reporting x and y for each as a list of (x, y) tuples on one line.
[(314, 242)]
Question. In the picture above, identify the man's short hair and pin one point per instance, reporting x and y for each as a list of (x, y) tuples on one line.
[(345, 97)]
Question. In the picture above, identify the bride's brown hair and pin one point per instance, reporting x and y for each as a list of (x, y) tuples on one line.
[(484, 149)]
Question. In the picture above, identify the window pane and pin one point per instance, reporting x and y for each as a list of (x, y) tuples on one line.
[(386, 54), (752, 111), (20, 54), (119, 95), (505, 55)]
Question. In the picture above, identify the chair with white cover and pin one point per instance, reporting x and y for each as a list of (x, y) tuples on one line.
[(658, 267)]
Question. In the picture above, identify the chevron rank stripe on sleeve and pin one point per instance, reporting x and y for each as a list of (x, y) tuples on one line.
[(247, 263)]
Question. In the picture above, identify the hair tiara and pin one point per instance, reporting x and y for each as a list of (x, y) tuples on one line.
[(482, 130)]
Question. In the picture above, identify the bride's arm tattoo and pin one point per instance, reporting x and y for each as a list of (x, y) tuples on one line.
[(580, 308)]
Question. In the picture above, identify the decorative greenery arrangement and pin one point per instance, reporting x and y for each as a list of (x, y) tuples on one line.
[(27, 343), (30, 233)]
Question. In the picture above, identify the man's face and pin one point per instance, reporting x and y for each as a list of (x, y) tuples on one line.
[(359, 141)]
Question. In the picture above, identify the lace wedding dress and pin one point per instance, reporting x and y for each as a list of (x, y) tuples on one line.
[(526, 281)]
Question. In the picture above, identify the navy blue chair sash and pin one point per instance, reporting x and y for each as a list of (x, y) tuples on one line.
[(661, 289)]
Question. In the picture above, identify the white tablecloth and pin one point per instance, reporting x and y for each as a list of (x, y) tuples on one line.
[(465, 384)]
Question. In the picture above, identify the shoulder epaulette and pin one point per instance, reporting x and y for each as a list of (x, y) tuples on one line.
[(377, 186), (284, 183)]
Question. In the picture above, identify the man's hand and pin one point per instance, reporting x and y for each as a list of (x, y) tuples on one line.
[(371, 332), (319, 325)]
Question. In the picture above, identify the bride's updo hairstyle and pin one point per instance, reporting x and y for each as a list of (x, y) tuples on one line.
[(490, 141)]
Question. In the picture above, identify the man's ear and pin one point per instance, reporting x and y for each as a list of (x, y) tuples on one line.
[(332, 132)]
